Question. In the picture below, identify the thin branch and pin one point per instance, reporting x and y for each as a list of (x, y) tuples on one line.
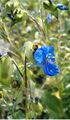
[(25, 74), (50, 2), (26, 91), (16, 66), (41, 14)]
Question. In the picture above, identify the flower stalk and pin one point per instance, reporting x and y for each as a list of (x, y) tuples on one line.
[(26, 91)]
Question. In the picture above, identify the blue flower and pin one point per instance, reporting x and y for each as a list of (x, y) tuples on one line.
[(39, 57), (51, 69), (62, 7), (45, 58), (49, 18)]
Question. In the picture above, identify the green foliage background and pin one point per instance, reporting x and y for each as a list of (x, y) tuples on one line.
[(30, 24)]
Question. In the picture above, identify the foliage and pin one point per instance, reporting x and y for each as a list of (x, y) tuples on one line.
[(25, 90)]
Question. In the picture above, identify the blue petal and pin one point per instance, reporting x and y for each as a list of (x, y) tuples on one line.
[(47, 49), (49, 52), (49, 18), (62, 7), (39, 57), (51, 69)]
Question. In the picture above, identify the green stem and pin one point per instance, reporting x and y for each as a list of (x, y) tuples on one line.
[(16, 66), (47, 33), (43, 27), (26, 91)]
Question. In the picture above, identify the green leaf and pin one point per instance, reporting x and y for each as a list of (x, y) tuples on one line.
[(30, 114), (28, 49), (55, 13), (53, 104), (12, 4), (3, 1), (19, 114), (5, 71)]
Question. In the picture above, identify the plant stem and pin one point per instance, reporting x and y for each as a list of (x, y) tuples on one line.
[(16, 66), (26, 91), (47, 33), (41, 11)]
